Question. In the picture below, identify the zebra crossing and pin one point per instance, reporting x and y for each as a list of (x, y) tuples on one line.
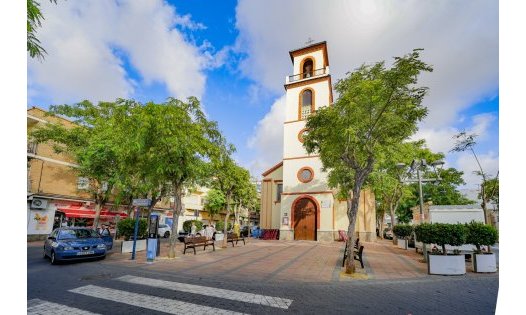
[(155, 303)]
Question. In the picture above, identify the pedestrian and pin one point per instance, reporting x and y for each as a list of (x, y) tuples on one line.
[(193, 229), (209, 232)]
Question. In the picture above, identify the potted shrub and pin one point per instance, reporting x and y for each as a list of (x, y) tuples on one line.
[(126, 228), (439, 262), (402, 232), (480, 234)]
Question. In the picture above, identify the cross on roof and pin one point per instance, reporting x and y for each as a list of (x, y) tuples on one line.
[(309, 41)]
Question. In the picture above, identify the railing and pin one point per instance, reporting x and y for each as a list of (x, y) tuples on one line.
[(305, 112), (306, 75), (32, 147)]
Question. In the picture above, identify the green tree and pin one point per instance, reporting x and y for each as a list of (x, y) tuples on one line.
[(466, 142), (34, 21), (178, 140), (229, 178), (385, 180), (215, 202), (492, 187), (91, 143), (377, 109)]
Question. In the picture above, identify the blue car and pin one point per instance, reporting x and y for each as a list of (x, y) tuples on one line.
[(73, 243)]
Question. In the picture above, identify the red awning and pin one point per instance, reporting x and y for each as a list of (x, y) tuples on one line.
[(82, 212)]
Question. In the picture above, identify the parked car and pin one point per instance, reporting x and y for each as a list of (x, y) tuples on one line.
[(74, 243), (106, 236), (388, 234), (164, 230)]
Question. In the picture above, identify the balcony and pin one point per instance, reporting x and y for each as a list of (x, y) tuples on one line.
[(306, 75)]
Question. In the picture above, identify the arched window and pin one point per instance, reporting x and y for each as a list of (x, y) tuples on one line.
[(307, 70), (306, 101)]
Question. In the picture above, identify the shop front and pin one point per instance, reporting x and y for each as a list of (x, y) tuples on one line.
[(82, 215)]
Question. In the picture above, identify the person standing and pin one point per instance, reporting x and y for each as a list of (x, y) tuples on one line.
[(193, 229)]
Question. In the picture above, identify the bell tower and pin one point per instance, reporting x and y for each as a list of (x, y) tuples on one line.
[(306, 198)]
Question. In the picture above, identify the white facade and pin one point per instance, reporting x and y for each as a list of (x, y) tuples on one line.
[(456, 214), (307, 208)]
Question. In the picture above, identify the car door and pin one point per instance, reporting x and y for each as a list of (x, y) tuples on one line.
[(47, 243), (107, 238)]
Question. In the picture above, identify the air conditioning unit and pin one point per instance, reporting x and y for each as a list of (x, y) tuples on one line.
[(37, 203)]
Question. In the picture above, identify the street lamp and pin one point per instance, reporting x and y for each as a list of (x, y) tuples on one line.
[(418, 166)]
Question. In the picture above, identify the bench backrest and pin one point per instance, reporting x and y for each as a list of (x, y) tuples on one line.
[(195, 239), (231, 236)]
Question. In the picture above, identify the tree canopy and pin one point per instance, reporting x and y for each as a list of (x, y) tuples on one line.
[(377, 109), (34, 21)]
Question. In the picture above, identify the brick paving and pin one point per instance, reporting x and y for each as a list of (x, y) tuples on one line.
[(277, 261)]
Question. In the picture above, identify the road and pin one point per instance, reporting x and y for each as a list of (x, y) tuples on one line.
[(102, 288)]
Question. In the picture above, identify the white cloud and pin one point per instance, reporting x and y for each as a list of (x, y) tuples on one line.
[(267, 139), (466, 162), (460, 39), (81, 38), (441, 139)]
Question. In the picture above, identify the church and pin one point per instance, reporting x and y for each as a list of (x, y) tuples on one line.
[(295, 196)]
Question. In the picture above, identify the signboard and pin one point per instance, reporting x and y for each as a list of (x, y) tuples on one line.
[(325, 203), (141, 202)]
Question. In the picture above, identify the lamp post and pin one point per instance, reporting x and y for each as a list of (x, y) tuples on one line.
[(418, 166)]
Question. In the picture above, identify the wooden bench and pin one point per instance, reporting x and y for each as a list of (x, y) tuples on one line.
[(192, 242), (231, 237), (358, 255), (357, 252)]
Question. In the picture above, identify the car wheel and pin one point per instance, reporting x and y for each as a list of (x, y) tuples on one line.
[(44, 253), (53, 258), (166, 234)]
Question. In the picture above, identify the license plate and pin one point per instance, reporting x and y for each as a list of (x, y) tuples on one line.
[(85, 253)]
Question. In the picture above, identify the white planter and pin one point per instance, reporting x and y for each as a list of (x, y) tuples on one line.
[(446, 265), (402, 244), (484, 262), (220, 237), (127, 246)]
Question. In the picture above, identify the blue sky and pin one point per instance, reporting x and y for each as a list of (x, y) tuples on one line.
[(233, 55)]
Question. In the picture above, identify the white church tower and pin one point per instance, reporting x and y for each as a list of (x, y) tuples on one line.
[(295, 196)]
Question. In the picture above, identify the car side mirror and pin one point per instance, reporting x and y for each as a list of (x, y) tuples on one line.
[(51, 238)]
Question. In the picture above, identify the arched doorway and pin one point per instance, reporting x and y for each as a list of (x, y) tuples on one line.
[(305, 219)]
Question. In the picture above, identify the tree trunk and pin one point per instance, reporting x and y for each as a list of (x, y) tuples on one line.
[(98, 207), (225, 228), (237, 209), (352, 209), (177, 210), (380, 230), (393, 220)]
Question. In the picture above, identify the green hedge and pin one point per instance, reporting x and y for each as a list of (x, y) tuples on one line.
[(481, 234), (126, 228), (187, 225), (403, 230), (221, 224), (441, 234)]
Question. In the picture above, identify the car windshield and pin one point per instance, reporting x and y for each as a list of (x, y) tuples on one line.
[(76, 233)]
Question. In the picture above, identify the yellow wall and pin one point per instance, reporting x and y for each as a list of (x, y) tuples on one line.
[(49, 172), (269, 217)]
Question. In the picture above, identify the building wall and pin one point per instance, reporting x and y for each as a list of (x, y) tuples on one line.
[(332, 214), (270, 206), (321, 97), (317, 57)]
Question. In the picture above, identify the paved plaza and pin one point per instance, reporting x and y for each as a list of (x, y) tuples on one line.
[(261, 277)]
